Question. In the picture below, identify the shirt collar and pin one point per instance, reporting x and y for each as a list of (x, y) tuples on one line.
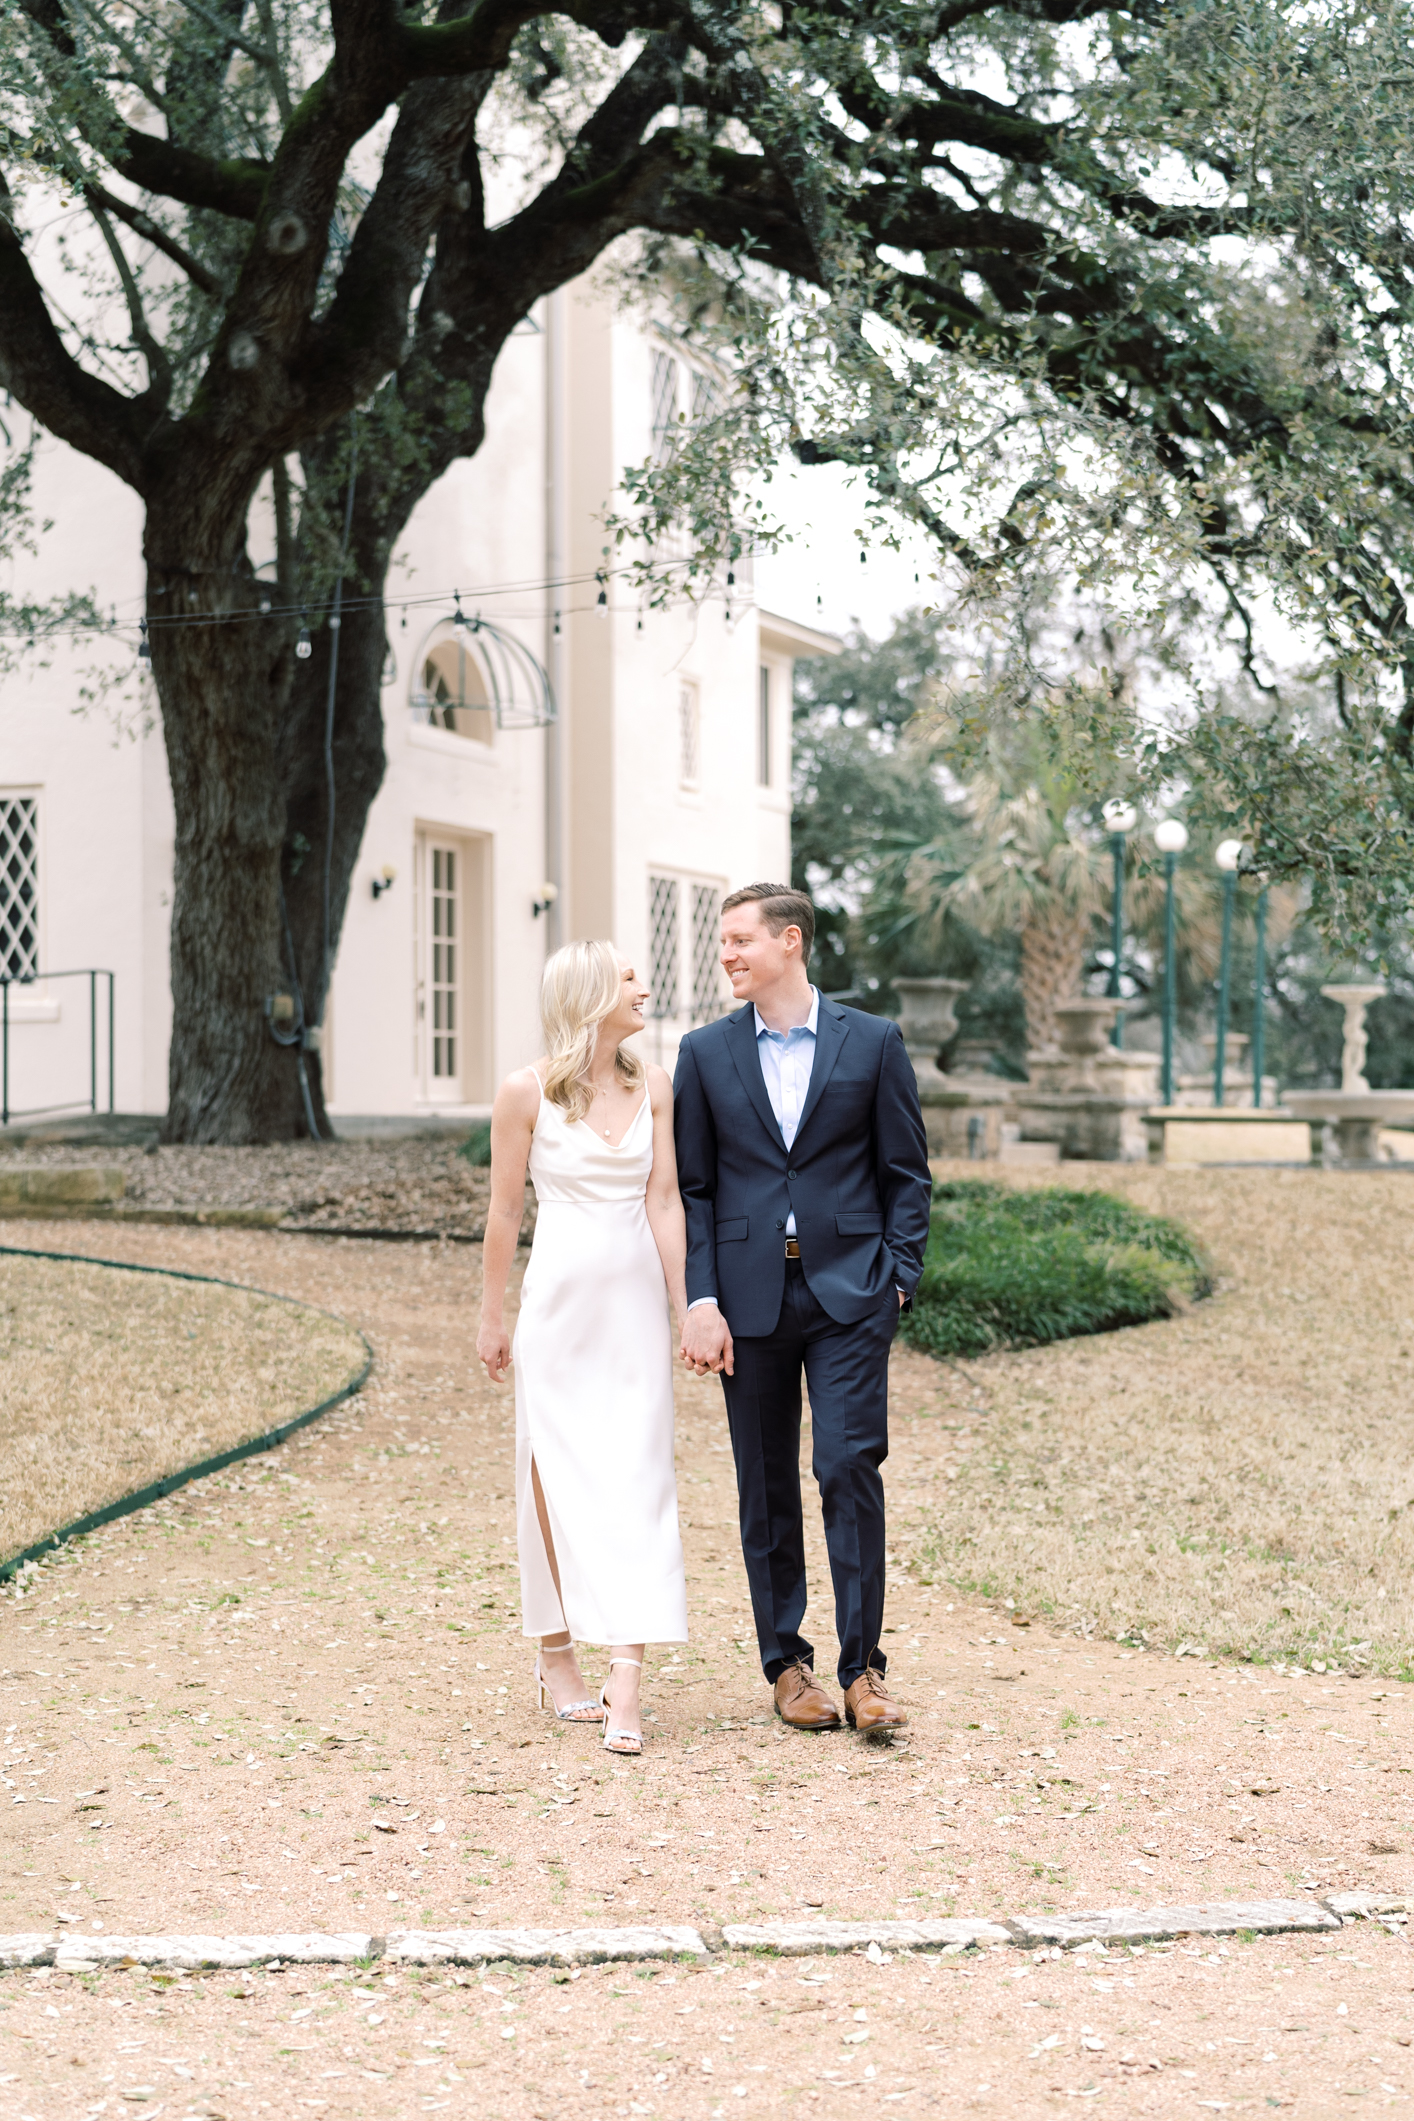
[(811, 1023)]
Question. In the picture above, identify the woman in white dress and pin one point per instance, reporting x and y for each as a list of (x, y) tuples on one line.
[(596, 1498)]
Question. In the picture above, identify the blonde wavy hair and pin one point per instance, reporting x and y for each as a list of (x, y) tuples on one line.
[(580, 988)]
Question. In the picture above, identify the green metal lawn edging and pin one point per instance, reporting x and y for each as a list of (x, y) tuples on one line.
[(156, 1489)]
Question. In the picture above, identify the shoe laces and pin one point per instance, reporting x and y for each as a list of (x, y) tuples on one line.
[(874, 1682), (800, 1670)]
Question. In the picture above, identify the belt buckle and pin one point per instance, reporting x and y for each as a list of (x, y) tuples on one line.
[(792, 1248)]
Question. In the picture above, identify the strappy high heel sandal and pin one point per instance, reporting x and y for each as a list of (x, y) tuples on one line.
[(585, 1711), (619, 1741)]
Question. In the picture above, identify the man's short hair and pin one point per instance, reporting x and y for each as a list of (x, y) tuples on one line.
[(781, 907)]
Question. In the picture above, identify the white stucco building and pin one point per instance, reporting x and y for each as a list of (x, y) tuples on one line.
[(662, 779)]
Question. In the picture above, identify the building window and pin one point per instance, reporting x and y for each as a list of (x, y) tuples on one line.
[(663, 945), (444, 937), (664, 405), (706, 982), (689, 731), (763, 730), (452, 694), (19, 886), (706, 398)]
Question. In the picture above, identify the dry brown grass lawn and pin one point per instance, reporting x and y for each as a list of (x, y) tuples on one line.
[(110, 1379), (1241, 1477)]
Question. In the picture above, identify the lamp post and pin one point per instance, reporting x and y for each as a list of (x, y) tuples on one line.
[(1170, 837), (1227, 857), (1121, 818), (1259, 997)]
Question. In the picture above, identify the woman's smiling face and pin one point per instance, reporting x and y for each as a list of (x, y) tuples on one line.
[(626, 1016)]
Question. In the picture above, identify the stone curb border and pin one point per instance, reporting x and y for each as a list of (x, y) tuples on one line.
[(75, 1954), (140, 1498)]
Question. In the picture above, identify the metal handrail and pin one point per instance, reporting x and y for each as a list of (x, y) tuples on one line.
[(93, 974)]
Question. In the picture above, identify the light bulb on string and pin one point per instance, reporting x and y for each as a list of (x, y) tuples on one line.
[(404, 627), (304, 647), (144, 653), (459, 621), (557, 625), (265, 607), (601, 602)]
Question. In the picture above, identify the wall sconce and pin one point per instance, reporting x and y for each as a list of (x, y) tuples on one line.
[(548, 895), (384, 881)]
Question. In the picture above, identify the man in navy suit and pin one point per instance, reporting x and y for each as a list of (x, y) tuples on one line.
[(804, 1172)]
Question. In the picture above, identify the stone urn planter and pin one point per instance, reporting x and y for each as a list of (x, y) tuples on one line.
[(928, 1019), (1085, 1026)]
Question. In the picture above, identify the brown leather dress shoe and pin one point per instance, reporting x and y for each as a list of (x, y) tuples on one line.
[(802, 1702), (869, 1705)]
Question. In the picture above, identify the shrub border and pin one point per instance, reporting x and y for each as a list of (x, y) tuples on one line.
[(140, 1498)]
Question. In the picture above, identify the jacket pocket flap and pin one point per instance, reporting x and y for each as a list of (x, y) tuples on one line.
[(863, 1225), (729, 1230)]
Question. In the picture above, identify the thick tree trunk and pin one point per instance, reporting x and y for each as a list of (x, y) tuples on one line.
[(318, 866), (223, 684), (245, 722)]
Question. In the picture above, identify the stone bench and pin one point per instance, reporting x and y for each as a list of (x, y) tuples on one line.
[(1225, 1134)]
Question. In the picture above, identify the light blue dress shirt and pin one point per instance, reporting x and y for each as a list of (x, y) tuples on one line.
[(787, 1058)]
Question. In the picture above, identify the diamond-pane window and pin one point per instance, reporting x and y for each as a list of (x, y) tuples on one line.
[(19, 886), (663, 944), (706, 989), (664, 405), (706, 398)]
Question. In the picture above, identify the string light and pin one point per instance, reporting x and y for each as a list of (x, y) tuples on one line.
[(459, 622), (281, 612), (144, 652), (304, 647), (557, 625)]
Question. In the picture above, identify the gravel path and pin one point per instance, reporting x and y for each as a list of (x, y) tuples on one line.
[(296, 1696)]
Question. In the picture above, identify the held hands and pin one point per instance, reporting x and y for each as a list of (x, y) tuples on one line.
[(706, 1340), (493, 1347)]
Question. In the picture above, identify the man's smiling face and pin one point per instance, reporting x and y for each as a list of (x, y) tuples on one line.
[(752, 958)]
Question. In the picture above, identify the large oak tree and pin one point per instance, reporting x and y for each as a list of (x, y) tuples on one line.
[(290, 198)]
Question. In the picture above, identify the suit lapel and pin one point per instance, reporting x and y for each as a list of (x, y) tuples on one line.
[(831, 1031), (741, 1044)]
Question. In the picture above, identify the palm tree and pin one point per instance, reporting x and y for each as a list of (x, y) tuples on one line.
[(1037, 871)]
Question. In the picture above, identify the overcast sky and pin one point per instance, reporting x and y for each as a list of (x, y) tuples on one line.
[(817, 578)]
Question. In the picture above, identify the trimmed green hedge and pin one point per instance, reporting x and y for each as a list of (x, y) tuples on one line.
[(1013, 1268)]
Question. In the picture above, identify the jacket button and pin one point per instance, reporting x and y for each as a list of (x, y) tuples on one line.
[(792, 1174), (780, 1222)]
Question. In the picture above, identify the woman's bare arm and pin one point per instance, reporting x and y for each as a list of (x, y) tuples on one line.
[(512, 1125), (664, 1202)]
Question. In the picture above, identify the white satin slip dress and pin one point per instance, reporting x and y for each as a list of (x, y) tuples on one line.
[(593, 1361)]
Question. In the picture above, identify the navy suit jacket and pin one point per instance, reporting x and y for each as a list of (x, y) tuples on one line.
[(856, 1175)]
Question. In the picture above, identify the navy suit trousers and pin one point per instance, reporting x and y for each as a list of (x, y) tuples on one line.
[(846, 1371)]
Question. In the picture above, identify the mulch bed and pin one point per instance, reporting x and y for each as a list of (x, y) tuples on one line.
[(419, 1187)]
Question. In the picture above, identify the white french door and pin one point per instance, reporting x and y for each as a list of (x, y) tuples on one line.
[(451, 1001)]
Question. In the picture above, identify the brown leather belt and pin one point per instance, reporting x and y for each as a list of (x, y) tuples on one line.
[(792, 1248)]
